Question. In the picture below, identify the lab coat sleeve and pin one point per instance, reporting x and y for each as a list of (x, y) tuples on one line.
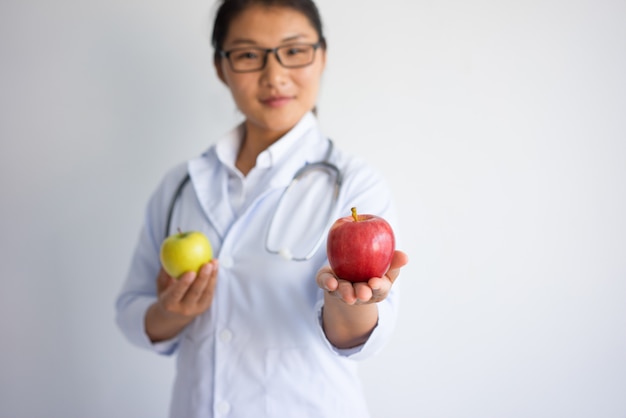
[(387, 311), (367, 190), (139, 289)]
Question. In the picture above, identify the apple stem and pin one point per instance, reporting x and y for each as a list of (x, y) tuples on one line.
[(354, 215), (179, 231)]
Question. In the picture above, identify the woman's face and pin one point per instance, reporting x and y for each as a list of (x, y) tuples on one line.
[(275, 98)]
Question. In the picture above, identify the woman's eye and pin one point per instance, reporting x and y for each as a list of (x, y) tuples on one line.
[(295, 51), (246, 56)]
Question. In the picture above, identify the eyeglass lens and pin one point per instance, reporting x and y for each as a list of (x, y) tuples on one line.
[(252, 58)]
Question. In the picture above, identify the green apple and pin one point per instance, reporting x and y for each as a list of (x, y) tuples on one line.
[(185, 251)]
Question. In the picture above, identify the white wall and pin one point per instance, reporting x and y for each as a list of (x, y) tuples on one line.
[(499, 123)]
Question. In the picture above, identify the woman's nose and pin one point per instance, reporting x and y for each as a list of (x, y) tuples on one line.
[(273, 72)]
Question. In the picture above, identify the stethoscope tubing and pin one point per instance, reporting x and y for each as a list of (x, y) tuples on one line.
[(323, 164)]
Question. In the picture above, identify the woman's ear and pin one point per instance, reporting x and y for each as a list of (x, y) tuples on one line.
[(323, 59), (217, 63)]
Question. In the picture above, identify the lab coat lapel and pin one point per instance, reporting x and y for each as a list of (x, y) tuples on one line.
[(311, 147), (210, 183)]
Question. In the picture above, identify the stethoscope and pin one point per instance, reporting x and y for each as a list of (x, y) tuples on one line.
[(323, 166)]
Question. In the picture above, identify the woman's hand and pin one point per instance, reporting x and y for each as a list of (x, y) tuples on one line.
[(374, 290), (350, 312), (189, 295), (180, 301)]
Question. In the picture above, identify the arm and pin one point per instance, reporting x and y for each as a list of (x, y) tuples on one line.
[(350, 312), (146, 305)]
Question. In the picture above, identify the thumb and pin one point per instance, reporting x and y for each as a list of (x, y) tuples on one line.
[(163, 280), (399, 260)]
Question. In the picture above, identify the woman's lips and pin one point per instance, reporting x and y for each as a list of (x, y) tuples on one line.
[(276, 101)]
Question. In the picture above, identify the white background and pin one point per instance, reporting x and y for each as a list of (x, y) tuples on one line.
[(500, 124)]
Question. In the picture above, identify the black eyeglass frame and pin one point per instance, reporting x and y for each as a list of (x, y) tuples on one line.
[(266, 52)]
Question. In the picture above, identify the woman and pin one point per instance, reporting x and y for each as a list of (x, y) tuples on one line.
[(259, 335)]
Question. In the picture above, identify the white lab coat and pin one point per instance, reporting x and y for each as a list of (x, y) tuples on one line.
[(260, 350)]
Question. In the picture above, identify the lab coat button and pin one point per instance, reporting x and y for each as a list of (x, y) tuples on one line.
[(226, 262), (226, 335), (223, 408)]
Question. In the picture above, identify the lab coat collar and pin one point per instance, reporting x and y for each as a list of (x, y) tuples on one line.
[(209, 175), (227, 148), (279, 150)]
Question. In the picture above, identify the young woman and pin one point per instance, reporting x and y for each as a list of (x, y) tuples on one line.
[(260, 334)]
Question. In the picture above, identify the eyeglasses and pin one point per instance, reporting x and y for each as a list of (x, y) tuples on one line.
[(248, 59)]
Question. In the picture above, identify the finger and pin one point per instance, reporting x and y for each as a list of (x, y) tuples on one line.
[(203, 293), (380, 288), (177, 290), (326, 279), (399, 260), (363, 292), (345, 290), (378, 284), (163, 280), (196, 288), (206, 298), (209, 289)]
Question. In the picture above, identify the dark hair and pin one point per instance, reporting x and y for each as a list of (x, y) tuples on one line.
[(229, 9)]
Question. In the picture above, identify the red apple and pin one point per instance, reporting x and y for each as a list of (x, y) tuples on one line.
[(360, 247)]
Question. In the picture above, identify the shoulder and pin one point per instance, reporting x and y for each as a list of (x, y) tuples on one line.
[(363, 186), (357, 171), (171, 179), (179, 172), (176, 176)]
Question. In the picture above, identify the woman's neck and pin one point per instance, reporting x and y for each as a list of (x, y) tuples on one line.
[(255, 141)]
